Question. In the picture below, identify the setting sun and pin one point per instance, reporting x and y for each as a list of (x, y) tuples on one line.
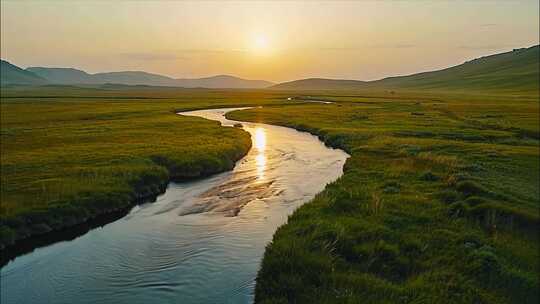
[(261, 44)]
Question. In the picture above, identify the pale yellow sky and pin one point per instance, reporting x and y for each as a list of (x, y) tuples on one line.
[(276, 41)]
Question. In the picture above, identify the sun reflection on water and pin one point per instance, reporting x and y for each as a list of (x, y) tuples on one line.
[(259, 141)]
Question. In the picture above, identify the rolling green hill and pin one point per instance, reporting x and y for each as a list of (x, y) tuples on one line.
[(11, 74), (517, 70)]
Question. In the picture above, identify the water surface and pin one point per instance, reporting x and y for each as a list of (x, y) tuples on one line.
[(200, 242)]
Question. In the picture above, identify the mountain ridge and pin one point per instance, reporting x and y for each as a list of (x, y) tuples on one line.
[(75, 76), (12, 74)]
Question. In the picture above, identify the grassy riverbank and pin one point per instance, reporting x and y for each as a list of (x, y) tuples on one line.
[(438, 202), (70, 154)]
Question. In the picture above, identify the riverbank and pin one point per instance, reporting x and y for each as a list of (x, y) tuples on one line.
[(66, 163), (438, 203)]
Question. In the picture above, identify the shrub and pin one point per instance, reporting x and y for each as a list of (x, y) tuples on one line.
[(475, 201), (458, 209), (341, 201), (476, 167), (7, 236), (391, 187), (410, 247), (343, 205), (428, 176), (469, 188), (448, 196), (502, 216), (484, 264), (384, 259)]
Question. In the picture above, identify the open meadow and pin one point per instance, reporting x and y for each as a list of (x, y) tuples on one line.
[(439, 200)]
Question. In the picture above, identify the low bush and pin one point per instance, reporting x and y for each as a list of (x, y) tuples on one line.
[(494, 214), (429, 176), (469, 188), (448, 196), (475, 201)]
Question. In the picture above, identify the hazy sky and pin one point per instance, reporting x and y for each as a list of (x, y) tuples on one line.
[(276, 41)]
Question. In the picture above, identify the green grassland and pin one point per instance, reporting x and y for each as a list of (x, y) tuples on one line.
[(70, 154), (438, 203)]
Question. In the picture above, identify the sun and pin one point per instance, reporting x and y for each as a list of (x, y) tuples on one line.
[(260, 44)]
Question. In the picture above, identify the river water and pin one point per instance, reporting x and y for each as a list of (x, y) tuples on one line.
[(200, 242)]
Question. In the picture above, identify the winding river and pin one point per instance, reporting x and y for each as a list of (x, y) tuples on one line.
[(200, 242)]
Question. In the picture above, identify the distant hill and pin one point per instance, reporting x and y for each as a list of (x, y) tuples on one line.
[(320, 83), (518, 69), (62, 75), (223, 81), (515, 70), (74, 76), (12, 74)]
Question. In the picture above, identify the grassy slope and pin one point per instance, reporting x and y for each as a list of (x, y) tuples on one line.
[(514, 71), (504, 73), (70, 154), (438, 203)]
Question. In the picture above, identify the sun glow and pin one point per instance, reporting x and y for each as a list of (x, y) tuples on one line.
[(260, 44)]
